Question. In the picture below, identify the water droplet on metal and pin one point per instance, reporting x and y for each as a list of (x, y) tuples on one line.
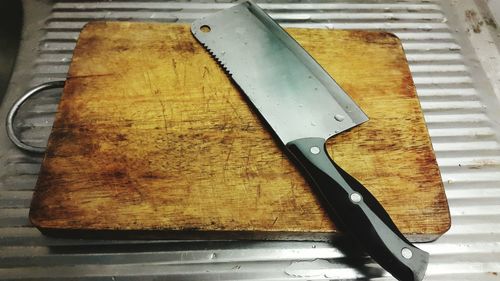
[(213, 256), (315, 150), (339, 117)]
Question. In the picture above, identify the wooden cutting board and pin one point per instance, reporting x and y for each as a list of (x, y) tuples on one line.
[(152, 139)]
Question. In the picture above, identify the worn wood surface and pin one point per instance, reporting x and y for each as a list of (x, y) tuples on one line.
[(151, 137)]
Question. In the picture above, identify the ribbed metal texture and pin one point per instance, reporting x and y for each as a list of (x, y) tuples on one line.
[(458, 108)]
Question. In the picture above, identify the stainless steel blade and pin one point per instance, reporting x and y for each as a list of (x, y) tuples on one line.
[(295, 95)]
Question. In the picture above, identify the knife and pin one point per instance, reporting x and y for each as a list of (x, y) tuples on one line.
[(304, 107)]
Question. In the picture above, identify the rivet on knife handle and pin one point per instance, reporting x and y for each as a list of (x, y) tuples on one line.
[(359, 212), (304, 106)]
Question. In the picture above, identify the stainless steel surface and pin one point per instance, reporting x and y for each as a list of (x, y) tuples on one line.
[(280, 78), (11, 132), (453, 68)]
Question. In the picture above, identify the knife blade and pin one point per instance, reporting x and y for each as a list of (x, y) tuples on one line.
[(304, 106)]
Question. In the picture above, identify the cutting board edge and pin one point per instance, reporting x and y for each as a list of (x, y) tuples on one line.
[(210, 235)]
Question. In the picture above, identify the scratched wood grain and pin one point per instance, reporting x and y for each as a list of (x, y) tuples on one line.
[(151, 139)]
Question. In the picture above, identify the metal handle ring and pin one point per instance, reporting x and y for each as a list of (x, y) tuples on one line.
[(15, 107)]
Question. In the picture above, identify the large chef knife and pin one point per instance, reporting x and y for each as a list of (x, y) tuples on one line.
[(304, 107)]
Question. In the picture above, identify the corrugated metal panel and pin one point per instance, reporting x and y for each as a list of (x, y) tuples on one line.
[(458, 108)]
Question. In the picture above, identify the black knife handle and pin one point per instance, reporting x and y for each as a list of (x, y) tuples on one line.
[(359, 212)]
